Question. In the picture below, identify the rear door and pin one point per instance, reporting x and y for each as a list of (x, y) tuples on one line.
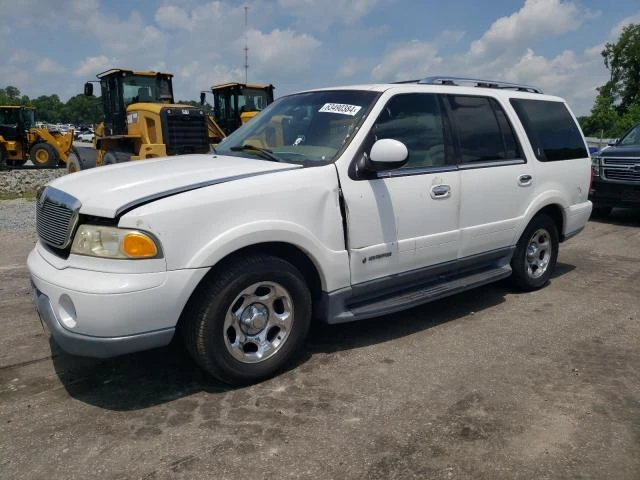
[(497, 183)]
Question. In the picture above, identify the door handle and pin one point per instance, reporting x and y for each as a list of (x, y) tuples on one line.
[(525, 180), (440, 191)]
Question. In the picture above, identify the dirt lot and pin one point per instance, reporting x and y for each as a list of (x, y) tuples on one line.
[(488, 384)]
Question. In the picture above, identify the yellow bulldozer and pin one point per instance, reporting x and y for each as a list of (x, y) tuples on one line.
[(234, 104), (142, 120), (20, 140)]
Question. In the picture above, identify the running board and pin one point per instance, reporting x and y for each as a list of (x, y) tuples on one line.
[(424, 294)]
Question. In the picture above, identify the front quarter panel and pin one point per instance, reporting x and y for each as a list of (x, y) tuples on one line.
[(301, 206)]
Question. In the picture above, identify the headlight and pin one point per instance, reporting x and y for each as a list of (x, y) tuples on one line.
[(112, 242)]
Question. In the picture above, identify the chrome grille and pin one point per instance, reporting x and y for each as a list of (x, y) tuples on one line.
[(56, 217), (621, 169)]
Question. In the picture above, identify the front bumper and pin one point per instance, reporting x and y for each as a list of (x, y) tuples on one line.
[(99, 314), (101, 347), (610, 194)]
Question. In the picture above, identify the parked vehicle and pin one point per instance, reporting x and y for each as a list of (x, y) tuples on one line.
[(21, 140), (86, 136), (337, 204), (616, 174)]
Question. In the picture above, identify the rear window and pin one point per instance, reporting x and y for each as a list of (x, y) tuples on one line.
[(551, 129)]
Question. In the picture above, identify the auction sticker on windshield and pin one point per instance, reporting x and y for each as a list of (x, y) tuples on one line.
[(342, 108)]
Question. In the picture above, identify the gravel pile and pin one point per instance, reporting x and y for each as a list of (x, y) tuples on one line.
[(18, 215), (26, 182)]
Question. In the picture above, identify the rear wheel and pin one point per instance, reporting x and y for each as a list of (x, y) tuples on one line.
[(250, 320), (536, 254), (112, 157), (43, 155)]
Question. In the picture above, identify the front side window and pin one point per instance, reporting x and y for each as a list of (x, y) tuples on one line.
[(307, 128), (551, 129), (414, 119), (632, 137), (482, 129)]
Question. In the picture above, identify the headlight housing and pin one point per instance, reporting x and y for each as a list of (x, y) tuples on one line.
[(596, 162), (111, 242)]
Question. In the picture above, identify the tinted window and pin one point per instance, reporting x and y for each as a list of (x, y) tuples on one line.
[(483, 131), (551, 129), (415, 120)]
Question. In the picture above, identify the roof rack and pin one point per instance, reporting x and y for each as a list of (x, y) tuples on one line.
[(476, 83)]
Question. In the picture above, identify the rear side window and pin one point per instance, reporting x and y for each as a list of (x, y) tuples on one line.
[(483, 131), (551, 129)]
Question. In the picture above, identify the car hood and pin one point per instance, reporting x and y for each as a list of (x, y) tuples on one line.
[(632, 151), (111, 190)]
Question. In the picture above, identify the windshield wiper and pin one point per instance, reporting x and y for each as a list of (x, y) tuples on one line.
[(260, 151)]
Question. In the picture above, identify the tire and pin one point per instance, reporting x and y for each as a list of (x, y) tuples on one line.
[(43, 155), (112, 157), (601, 212), (73, 164), (255, 302), (536, 254)]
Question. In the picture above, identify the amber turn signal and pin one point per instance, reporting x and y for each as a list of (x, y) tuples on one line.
[(138, 245)]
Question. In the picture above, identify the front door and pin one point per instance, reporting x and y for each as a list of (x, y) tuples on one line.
[(405, 219)]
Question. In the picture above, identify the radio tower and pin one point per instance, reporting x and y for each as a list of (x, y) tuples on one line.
[(246, 46)]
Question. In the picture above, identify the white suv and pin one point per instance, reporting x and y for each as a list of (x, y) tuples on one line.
[(337, 204)]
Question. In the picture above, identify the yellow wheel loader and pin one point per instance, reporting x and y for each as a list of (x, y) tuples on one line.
[(21, 141), (142, 121), (234, 104)]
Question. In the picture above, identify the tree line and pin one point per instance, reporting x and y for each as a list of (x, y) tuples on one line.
[(617, 106), (78, 110)]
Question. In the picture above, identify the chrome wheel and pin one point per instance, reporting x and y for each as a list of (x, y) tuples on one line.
[(258, 322), (538, 253)]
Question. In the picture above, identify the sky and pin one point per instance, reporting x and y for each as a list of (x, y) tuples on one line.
[(54, 46)]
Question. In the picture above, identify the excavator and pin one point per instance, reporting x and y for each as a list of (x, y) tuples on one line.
[(234, 104), (142, 120), (20, 140)]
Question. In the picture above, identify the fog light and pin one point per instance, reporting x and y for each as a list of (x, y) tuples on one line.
[(67, 311)]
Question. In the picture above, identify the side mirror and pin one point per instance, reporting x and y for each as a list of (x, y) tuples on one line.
[(202, 98), (88, 89), (387, 154), (613, 142)]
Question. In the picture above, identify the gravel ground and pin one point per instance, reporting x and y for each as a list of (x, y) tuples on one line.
[(18, 215), (489, 384)]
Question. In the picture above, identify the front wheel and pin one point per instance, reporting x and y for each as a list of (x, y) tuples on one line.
[(43, 155), (250, 320), (536, 254)]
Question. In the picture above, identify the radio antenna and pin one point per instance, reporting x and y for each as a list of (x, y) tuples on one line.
[(246, 46)]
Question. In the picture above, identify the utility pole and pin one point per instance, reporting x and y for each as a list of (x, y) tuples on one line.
[(246, 46)]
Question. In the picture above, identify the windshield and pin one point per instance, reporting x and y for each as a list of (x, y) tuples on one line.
[(631, 138), (303, 128), (146, 89)]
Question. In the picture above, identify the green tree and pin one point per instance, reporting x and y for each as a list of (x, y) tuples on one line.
[(622, 58), (617, 106)]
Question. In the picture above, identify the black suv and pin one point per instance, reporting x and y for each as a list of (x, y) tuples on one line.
[(616, 174)]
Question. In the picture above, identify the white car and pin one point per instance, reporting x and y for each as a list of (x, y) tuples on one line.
[(337, 204), (86, 137)]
